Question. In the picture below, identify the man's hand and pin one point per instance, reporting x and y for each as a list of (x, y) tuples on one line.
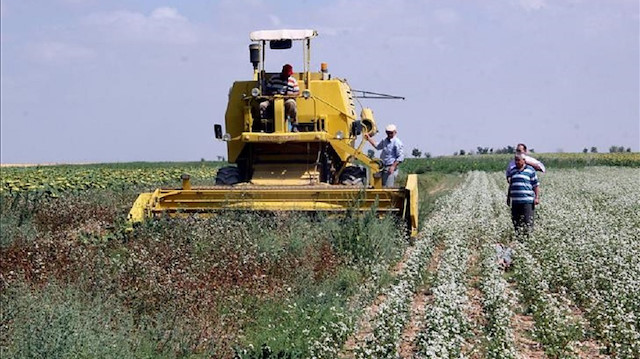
[(536, 200), (508, 201), (392, 168), (369, 139)]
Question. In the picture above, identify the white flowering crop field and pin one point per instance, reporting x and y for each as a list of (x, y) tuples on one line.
[(575, 278), (586, 250)]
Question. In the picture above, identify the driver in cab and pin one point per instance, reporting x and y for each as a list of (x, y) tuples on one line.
[(284, 84)]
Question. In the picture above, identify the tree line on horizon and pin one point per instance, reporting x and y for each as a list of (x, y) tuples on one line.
[(417, 153)]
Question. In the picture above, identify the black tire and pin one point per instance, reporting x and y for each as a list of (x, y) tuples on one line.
[(353, 176), (227, 176)]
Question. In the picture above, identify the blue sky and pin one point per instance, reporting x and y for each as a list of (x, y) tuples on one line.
[(107, 81)]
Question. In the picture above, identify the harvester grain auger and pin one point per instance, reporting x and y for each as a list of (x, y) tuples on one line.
[(319, 166)]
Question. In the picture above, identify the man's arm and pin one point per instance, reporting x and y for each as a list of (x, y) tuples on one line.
[(368, 138), (507, 172), (510, 169), (293, 87), (535, 163), (399, 150), (536, 188)]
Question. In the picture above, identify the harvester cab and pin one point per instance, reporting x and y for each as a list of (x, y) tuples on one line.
[(310, 148), (312, 162)]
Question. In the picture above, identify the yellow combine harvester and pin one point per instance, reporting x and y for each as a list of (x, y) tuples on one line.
[(316, 166)]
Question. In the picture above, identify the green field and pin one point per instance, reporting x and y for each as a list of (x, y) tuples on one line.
[(450, 164), (75, 283)]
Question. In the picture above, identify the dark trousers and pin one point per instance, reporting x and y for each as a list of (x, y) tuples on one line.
[(522, 217)]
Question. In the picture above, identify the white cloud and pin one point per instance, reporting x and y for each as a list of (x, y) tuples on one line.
[(532, 5), (59, 53), (164, 25)]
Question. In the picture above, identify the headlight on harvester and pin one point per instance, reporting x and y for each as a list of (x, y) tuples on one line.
[(339, 135), (306, 94), (255, 92), (226, 137)]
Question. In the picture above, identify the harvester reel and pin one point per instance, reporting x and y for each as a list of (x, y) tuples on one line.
[(228, 176), (353, 176)]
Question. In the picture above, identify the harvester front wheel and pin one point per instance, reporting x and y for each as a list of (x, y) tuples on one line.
[(353, 176), (227, 176)]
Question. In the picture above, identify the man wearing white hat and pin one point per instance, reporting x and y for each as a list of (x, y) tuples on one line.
[(392, 154)]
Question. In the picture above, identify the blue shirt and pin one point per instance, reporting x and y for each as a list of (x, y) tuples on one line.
[(392, 150), (522, 184)]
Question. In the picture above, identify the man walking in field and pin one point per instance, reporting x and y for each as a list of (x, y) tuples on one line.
[(523, 194)]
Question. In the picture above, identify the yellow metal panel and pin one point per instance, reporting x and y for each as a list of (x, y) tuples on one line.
[(284, 137), (290, 175), (412, 203), (235, 116), (328, 99), (296, 197), (139, 210), (279, 115)]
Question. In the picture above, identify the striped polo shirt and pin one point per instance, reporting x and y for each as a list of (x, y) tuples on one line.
[(278, 85), (522, 184)]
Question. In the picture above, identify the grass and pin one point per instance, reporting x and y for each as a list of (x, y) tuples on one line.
[(211, 287), (493, 163), (59, 321)]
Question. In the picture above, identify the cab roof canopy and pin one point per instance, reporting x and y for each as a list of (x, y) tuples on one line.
[(283, 34)]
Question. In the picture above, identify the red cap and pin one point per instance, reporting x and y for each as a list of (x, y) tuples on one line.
[(287, 69)]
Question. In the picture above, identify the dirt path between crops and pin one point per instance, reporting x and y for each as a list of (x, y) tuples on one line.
[(586, 348), (364, 324), (523, 325), (528, 347), (363, 329), (472, 348), (419, 304)]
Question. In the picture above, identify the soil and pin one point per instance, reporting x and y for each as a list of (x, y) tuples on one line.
[(421, 300), (522, 328), (475, 312)]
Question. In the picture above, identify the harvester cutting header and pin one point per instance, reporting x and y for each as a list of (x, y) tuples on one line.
[(296, 145)]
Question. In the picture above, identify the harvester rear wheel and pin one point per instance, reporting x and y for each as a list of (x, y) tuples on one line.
[(228, 176), (353, 176)]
